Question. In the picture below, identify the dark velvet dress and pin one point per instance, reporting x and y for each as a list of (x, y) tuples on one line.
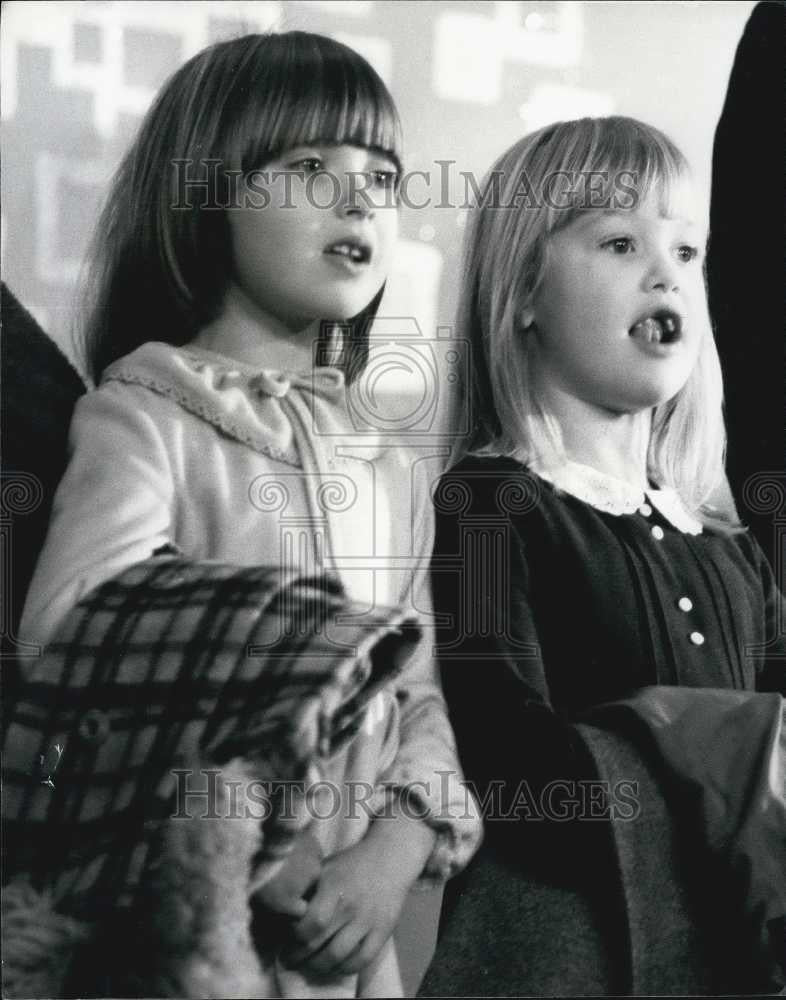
[(548, 606), (570, 605)]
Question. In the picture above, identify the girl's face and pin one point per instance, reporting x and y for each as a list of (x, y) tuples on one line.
[(620, 310), (314, 232)]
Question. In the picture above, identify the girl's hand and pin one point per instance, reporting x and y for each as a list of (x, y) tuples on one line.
[(359, 898), (285, 893)]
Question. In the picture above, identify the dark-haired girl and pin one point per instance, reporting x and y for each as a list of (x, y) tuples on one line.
[(240, 259)]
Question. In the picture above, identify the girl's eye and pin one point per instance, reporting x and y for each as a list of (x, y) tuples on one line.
[(308, 165), (385, 178), (687, 253), (620, 244)]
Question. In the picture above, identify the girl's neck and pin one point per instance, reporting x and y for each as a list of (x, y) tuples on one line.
[(613, 443), (245, 334)]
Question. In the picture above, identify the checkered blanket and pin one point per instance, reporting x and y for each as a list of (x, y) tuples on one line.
[(170, 662)]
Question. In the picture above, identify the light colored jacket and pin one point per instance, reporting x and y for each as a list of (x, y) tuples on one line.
[(184, 447)]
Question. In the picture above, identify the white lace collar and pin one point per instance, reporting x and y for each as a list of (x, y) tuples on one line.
[(254, 406), (614, 496), (273, 381)]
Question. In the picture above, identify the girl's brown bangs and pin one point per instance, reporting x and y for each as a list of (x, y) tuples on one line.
[(342, 104)]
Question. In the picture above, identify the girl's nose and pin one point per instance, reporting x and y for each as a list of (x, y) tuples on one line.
[(663, 275), (359, 210), (355, 200)]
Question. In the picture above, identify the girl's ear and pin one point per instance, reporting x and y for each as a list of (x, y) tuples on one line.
[(527, 314)]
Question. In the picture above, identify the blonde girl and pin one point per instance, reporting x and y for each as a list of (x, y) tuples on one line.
[(582, 552)]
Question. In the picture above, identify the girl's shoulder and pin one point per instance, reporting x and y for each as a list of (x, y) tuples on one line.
[(744, 545), (487, 463), (493, 485), (124, 397), (150, 363)]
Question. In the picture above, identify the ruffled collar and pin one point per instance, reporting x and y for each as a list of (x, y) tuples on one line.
[(255, 406), (614, 496), (275, 382)]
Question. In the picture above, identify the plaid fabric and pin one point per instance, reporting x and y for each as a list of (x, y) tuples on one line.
[(171, 662)]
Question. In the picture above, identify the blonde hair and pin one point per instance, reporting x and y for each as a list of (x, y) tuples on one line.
[(529, 194)]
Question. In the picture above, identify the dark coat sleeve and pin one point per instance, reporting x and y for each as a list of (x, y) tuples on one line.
[(40, 389), (772, 674), (490, 659), (745, 261)]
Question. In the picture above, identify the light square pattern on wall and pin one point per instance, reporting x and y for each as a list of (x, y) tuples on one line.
[(77, 78)]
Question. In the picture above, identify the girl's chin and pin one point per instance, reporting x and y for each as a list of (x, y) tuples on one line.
[(646, 401)]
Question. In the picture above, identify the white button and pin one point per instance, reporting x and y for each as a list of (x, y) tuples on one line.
[(657, 532), (697, 638), (685, 604), (645, 510)]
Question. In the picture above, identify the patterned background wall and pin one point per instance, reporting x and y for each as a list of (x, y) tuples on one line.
[(469, 77)]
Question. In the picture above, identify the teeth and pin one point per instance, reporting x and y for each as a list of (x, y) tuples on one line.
[(348, 250), (650, 330)]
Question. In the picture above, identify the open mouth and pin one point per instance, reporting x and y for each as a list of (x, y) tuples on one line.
[(353, 250), (662, 327)]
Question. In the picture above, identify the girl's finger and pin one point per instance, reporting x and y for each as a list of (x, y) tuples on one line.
[(362, 955), (291, 907), (300, 956), (324, 918), (330, 959), (317, 918)]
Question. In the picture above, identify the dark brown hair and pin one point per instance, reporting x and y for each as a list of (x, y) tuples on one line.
[(160, 273)]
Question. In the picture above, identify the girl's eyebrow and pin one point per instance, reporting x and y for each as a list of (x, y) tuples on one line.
[(385, 154), (585, 220), (300, 149), (379, 151), (314, 145), (626, 216)]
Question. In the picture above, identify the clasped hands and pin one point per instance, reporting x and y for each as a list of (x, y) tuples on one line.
[(335, 914)]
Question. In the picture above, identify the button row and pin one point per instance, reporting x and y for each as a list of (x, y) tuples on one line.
[(684, 603)]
